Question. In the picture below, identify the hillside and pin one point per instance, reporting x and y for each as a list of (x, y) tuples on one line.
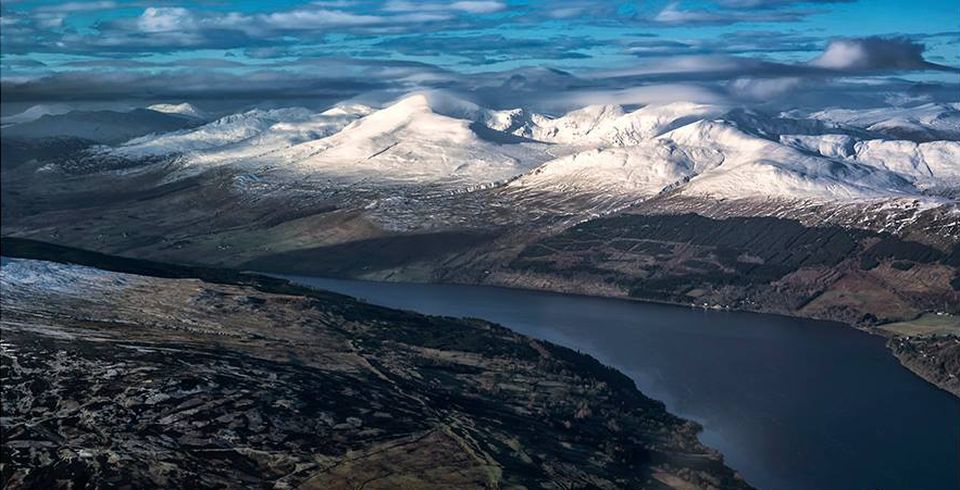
[(242, 380)]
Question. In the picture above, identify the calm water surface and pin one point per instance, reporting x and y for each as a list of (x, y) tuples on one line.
[(793, 404)]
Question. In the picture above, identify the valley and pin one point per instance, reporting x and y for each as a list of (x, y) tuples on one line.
[(701, 205), (482, 244)]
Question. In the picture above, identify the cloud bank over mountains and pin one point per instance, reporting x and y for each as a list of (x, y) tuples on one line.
[(556, 56), (699, 78)]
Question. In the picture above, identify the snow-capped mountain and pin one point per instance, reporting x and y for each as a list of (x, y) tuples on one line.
[(926, 122), (34, 113), (927, 165), (720, 152), (598, 152), (424, 137), (603, 125), (240, 136), (756, 167), (716, 159), (640, 170), (420, 138), (183, 109)]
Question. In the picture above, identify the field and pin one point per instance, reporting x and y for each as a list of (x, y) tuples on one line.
[(925, 325)]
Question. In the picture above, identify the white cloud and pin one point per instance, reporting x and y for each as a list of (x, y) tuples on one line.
[(764, 89), (469, 6), (773, 3), (478, 6), (70, 7), (311, 19), (165, 19), (184, 21), (49, 20), (678, 65), (672, 14), (872, 54), (647, 94)]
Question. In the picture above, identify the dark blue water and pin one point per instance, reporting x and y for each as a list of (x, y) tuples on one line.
[(792, 404)]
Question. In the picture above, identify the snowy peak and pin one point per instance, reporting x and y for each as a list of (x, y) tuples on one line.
[(425, 137), (434, 102), (922, 123), (715, 158), (929, 165), (619, 173), (238, 136), (717, 134), (656, 119), (755, 167), (183, 109), (593, 115), (263, 117), (511, 121), (415, 116), (34, 113), (575, 126), (348, 109), (610, 125)]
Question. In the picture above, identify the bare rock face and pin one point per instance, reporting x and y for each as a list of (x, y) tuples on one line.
[(114, 379)]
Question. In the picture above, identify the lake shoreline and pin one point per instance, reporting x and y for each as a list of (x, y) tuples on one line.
[(923, 367), (748, 339), (30, 249)]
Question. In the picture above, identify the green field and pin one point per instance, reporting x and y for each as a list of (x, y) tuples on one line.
[(929, 324)]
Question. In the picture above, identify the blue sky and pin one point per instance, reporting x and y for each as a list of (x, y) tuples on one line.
[(338, 48)]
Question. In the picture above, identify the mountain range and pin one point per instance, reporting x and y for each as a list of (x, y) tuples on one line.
[(848, 215), (688, 149)]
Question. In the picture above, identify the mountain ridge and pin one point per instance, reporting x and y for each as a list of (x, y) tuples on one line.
[(436, 137)]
